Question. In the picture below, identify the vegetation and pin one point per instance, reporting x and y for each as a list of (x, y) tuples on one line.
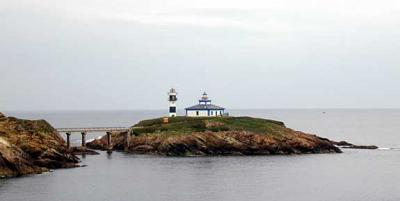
[(188, 125)]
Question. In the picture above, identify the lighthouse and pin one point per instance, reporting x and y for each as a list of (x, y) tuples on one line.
[(172, 102)]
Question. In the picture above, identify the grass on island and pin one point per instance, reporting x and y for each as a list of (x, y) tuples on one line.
[(187, 125)]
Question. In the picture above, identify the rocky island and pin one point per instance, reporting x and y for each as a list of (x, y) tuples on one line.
[(30, 147), (34, 146), (186, 136)]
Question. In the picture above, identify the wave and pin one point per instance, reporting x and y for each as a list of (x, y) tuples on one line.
[(389, 148)]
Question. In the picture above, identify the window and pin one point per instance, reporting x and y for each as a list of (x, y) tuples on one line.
[(172, 98), (212, 113), (197, 113), (172, 109)]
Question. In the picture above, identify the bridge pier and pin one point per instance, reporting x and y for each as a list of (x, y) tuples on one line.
[(83, 139), (109, 143), (68, 140)]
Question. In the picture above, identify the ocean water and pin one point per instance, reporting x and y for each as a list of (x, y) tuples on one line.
[(364, 175)]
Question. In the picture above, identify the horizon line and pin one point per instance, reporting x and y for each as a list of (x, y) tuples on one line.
[(158, 109)]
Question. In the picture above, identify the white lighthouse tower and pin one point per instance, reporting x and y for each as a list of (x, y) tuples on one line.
[(172, 102)]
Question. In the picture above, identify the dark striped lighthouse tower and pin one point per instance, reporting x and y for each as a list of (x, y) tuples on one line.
[(172, 102)]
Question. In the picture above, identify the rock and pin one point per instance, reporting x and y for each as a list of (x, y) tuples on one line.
[(347, 145), (360, 147), (184, 136), (2, 117), (83, 151), (101, 144), (28, 147), (342, 143)]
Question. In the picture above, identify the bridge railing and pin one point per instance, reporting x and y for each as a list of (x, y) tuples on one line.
[(92, 129)]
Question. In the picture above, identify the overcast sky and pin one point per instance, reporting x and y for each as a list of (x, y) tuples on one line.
[(91, 55)]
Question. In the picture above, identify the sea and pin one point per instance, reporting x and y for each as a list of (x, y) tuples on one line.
[(354, 175)]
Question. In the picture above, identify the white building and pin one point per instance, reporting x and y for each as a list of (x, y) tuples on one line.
[(204, 109)]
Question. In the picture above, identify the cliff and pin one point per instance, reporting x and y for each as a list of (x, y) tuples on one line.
[(183, 136), (29, 147)]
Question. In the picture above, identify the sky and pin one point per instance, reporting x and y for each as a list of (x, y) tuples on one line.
[(126, 54)]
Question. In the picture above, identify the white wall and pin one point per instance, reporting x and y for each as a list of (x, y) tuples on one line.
[(216, 113), (204, 113)]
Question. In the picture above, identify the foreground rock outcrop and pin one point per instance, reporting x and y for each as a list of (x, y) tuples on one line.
[(183, 136), (29, 147)]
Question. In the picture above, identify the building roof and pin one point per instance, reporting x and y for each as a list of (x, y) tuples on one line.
[(205, 107)]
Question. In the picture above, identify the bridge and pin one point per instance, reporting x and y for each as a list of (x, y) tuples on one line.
[(92, 129), (108, 130)]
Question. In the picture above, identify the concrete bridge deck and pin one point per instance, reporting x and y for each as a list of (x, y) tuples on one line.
[(92, 129)]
